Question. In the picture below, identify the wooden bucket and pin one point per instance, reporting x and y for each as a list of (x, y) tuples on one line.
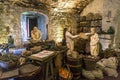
[(75, 66)]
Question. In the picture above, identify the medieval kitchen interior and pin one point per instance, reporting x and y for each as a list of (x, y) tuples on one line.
[(59, 40)]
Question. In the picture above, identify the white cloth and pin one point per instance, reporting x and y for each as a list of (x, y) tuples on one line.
[(97, 73), (111, 72), (112, 62), (88, 74)]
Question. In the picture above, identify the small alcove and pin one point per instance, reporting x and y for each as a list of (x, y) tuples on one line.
[(31, 19)]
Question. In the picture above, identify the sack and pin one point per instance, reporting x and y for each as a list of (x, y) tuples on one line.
[(75, 55), (112, 62), (88, 75), (111, 72), (98, 74)]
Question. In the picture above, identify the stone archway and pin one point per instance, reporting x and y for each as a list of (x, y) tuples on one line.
[(41, 23)]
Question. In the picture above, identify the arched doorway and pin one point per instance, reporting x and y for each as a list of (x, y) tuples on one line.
[(31, 19)]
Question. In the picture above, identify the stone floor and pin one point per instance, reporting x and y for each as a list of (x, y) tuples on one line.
[(40, 77)]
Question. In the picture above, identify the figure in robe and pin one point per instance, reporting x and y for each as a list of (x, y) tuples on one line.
[(36, 34), (94, 42)]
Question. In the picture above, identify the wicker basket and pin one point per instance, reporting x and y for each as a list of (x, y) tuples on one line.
[(65, 74)]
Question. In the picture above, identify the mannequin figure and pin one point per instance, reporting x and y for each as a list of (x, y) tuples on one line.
[(70, 39), (94, 42), (36, 34)]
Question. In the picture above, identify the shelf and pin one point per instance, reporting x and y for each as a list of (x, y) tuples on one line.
[(105, 34), (89, 26), (91, 20), (105, 38), (85, 23)]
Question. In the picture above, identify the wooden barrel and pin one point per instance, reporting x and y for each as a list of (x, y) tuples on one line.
[(75, 66), (72, 61), (89, 63)]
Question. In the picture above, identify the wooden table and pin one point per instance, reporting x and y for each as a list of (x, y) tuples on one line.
[(46, 63)]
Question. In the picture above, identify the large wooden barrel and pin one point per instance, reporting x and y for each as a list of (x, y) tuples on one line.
[(75, 66), (89, 63)]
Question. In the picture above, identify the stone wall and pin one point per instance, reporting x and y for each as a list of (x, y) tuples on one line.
[(111, 17), (59, 21), (10, 16), (94, 7)]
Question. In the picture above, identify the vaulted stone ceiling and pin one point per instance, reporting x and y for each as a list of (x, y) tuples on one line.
[(63, 5)]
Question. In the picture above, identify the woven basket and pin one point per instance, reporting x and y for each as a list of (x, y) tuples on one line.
[(65, 74)]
